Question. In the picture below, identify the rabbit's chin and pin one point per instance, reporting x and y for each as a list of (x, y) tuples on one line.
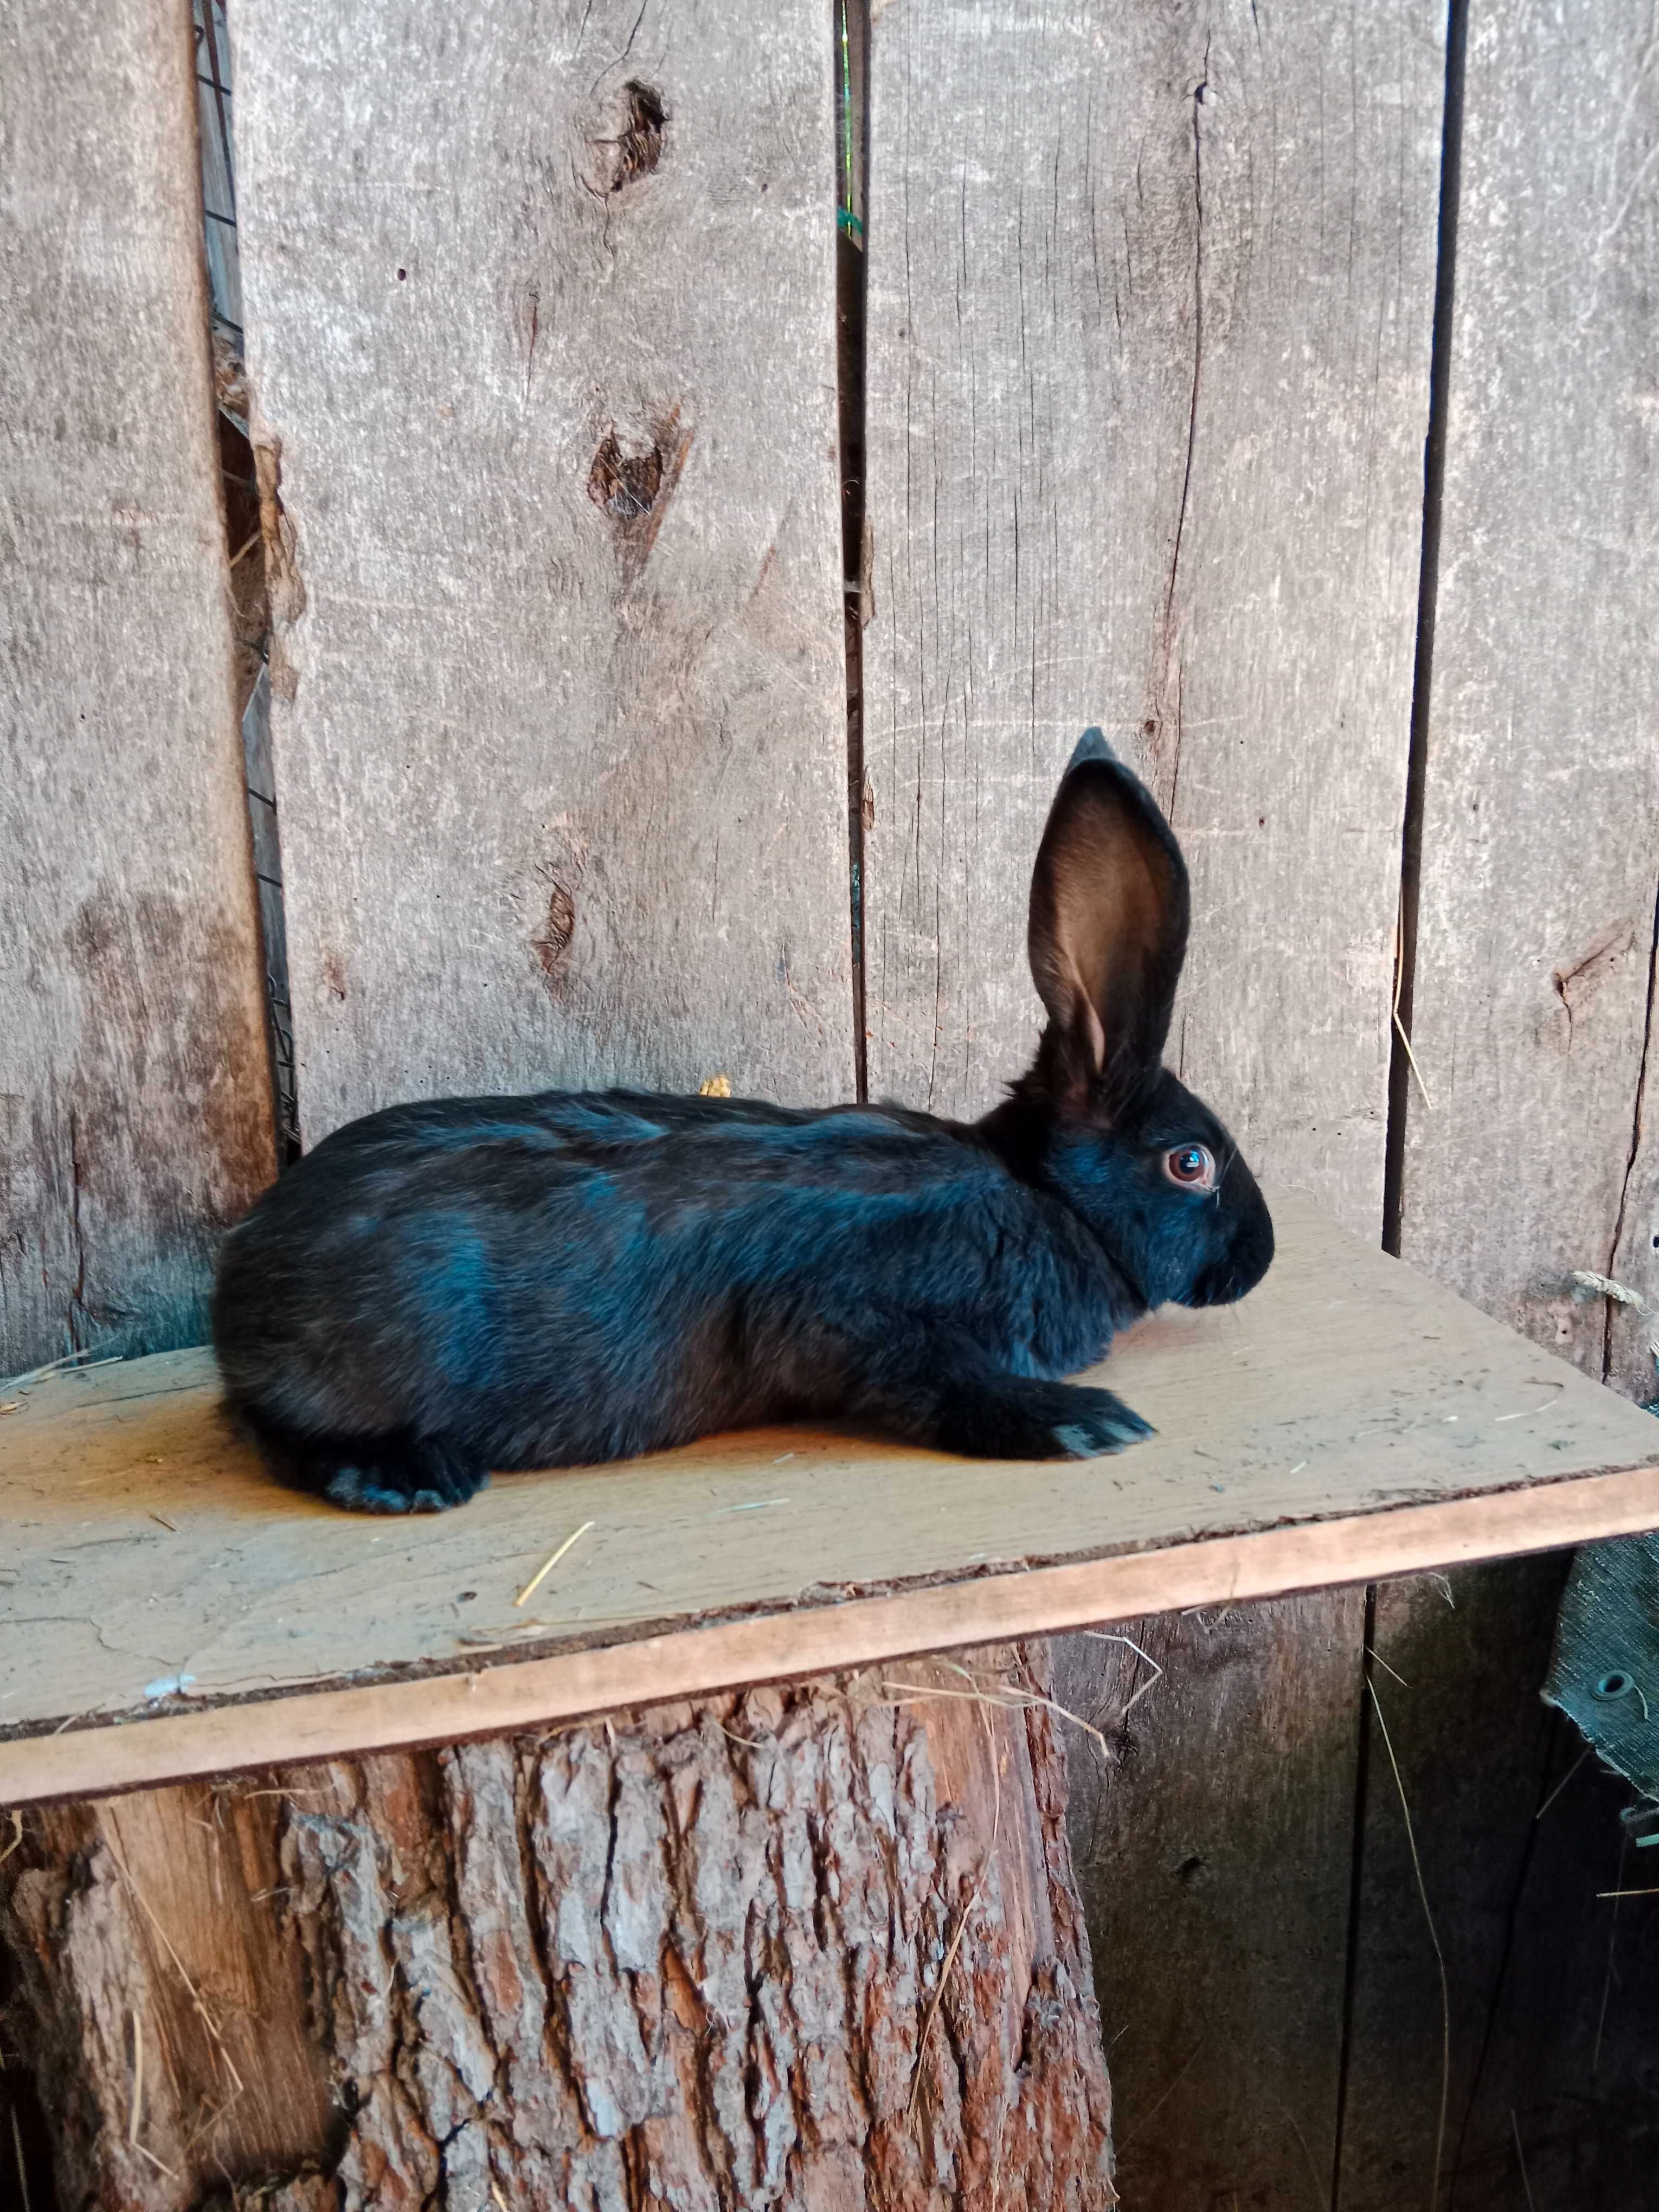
[(1229, 1279)]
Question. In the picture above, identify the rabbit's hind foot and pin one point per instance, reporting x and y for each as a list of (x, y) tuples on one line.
[(388, 1476), (392, 1473)]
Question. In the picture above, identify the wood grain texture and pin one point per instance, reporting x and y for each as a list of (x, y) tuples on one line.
[(1540, 838), (1462, 1657), (1565, 2103), (547, 397), (1531, 1018), (149, 1977), (1216, 1906), (1344, 1387), (134, 1115), (1554, 2007), (686, 1958), (1148, 378)]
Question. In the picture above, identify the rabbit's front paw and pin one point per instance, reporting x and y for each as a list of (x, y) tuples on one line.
[(1014, 1418), (1095, 1423)]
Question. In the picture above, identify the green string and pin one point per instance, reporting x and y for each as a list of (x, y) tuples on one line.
[(845, 219)]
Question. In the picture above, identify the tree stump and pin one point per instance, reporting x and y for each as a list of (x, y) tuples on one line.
[(812, 1948)]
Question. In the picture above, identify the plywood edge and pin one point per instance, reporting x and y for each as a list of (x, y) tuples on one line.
[(493, 1700)]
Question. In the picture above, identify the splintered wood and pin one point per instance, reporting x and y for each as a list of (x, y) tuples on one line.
[(808, 1950)]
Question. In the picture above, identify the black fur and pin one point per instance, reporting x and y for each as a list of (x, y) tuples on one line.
[(441, 1289)]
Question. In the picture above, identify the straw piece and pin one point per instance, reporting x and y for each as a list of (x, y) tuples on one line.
[(1008, 1701), (79, 1361), (22, 2170), (195, 1995), (550, 1562), (1439, 1955), (135, 2113), (1587, 1284), (1106, 1635), (1521, 2155), (1399, 984)]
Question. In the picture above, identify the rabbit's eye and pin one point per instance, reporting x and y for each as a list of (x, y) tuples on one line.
[(1191, 1166)]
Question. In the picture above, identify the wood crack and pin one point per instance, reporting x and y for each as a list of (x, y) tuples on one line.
[(77, 1305), (1199, 91), (1630, 1157)]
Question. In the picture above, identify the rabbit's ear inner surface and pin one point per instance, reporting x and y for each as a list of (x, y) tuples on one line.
[(1108, 929)]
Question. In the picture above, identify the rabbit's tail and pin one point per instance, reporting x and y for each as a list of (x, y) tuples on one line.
[(398, 1472)]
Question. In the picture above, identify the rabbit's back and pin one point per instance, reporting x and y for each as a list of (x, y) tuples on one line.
[(571, 1277)]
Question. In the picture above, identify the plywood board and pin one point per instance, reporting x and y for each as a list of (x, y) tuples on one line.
[(152, 1569), (558, 721), (1148, 390), (134, 1102)]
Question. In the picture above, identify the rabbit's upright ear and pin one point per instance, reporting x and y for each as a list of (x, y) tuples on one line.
[(1108, 929)]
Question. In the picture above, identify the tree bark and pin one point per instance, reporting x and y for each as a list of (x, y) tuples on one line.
[(814, 1949)]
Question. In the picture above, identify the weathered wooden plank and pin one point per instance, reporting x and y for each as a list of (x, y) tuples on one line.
[(1531, 1000), (1148, 363), (1551, 2019), (1462, 1658), (134, 1101), (541, 333), (1216, 1906), (1148, 376), (1540, 824)]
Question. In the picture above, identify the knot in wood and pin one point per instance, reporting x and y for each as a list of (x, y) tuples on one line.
[(559, 928), (625, 485), (639, 144), (625, 139)]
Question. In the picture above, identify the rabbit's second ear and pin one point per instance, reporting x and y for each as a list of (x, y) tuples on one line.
[(1108, 929)]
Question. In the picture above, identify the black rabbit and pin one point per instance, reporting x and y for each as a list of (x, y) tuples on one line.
[(439, 1290)]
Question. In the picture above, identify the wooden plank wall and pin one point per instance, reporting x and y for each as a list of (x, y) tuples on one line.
[(135, 1095), (1531, 1016), (540, 316), (1148, 366)]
